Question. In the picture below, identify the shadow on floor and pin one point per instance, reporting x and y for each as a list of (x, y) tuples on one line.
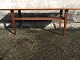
[(28, 24)]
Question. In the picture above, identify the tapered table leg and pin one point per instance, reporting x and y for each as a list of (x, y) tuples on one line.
[(13, 21), (19, 15), (61, 13), (65, 21)]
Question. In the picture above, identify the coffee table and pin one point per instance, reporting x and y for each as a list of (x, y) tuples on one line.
[(12, 9)]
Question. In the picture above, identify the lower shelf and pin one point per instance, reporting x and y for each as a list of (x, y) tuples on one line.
[(39, 18)]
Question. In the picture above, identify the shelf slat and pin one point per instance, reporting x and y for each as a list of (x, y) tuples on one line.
[(38, 18)]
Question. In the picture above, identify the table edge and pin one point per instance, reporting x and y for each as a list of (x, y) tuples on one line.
[(41, 9)]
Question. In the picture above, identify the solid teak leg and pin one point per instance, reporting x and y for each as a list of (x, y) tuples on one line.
[(13, 21), (61, 13), (65, 21), (19, 14)]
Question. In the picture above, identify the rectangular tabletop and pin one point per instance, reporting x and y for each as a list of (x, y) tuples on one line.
[(40, 5)]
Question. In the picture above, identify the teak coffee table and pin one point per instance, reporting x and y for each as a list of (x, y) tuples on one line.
[(65, 18)]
